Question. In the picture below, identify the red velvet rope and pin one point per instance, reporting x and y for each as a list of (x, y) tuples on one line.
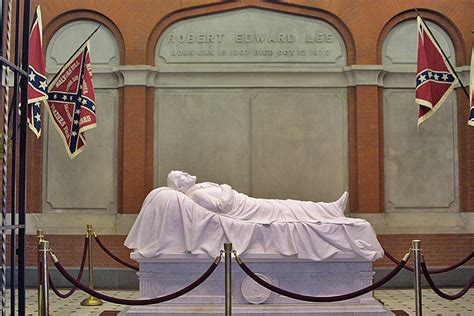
[(433, 271), (79, 275), (149, 301), (101, 245), (438, 291), (318, 299)]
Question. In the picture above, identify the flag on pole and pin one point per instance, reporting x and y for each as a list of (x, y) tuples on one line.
[(471, 90), (72, 100), (435, 78), (37, 85)]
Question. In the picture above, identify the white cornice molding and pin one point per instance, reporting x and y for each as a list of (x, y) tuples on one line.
[(74, 223), (388, 76), (135, 75), (403, 76), (364, 75), (265, 79), (330, 77)]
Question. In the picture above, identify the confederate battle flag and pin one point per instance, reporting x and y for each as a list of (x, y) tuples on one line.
[(435, 78), (37, 86), (72, 101)]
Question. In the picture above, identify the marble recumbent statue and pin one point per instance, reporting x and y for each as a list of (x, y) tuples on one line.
[(222, 199), (303, 247), (197, 218)]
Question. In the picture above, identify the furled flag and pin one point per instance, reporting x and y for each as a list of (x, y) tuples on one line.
[(471, 90), (37, 86), (435, 78), (72, 100)]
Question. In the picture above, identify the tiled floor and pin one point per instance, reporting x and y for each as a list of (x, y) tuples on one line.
[(433, 305), (393, 299)]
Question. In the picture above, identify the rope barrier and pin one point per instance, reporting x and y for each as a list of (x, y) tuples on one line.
[(400, 265), (101, 245), (122, 301), (433, 271), (318, 299), (438, 291), (79, 275)]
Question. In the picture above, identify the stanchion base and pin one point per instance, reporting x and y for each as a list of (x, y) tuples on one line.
[(91, 301)]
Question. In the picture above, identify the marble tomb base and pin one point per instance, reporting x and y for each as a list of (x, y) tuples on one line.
[(168, 273)]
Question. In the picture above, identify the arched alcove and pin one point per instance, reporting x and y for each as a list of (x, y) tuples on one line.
[(400, 45), (421, 164), (104, 49), (89, 181), (254, 98)]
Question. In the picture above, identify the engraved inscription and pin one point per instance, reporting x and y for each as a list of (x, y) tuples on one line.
[(195, 38), (250, 36)]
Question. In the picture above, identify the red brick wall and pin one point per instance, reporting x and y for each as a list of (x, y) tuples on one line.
[(439, 250), (137, 25), (150, 18), (68, 249)]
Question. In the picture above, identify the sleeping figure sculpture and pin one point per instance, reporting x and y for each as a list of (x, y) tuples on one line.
[(225, 200), (197, 218)]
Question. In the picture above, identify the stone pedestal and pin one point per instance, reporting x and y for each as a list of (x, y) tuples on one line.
[(165, 274)]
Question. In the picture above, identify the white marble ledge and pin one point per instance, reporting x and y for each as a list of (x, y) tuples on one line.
[(420, 222), (74, 222), (187, 257)]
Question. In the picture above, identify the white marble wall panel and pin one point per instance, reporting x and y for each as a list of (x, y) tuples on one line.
[(251, 36), (159, 276), (204, 132), (104, 48), (420, 164), (87, 182), (401, 44), (298, 276), (270, 136), (263, 142), (299, 144)]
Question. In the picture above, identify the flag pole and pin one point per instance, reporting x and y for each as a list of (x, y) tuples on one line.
[(444, 55), (72, 55)]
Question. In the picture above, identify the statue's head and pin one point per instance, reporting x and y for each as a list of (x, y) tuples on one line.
[(181, 181)]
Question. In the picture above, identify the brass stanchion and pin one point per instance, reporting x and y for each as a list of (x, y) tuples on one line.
[(40, 236), (91, 300), (228, 278), (43, 249), (416, 248)]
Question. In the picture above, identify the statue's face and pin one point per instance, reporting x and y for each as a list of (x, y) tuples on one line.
[(181, 181)]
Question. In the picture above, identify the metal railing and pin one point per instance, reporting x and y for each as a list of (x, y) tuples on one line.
[(43, 250), (17, 184)]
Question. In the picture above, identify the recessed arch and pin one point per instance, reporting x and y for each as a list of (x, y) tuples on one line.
[(64, 35), (245, 110), (445, 23), (409, 165), (323, 15), (84, 15)]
